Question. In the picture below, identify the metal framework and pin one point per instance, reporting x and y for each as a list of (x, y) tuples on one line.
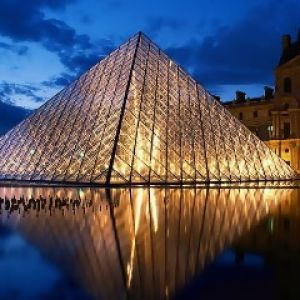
[(136, 117)]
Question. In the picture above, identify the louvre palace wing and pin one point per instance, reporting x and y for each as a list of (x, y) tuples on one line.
[(136, 117)]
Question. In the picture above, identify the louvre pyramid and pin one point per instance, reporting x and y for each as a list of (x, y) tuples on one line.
[(136, 117)]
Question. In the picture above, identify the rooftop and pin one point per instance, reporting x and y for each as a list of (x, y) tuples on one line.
[(289, 49), (240, 98)]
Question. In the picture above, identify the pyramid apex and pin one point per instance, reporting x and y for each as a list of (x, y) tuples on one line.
[(143, 35), (140, 33)]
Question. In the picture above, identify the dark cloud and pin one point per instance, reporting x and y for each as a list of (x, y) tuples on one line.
[(20, 50), (81, 60), (24, 21), (246, 52), (9, 90), (78, 63), (10, 116), (156, 24), (59, 81)]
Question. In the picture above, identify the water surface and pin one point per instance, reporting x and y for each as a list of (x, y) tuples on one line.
[(155, 243)]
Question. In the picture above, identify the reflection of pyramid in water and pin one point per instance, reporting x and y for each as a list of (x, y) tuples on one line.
[(135, 117), (151, 244)]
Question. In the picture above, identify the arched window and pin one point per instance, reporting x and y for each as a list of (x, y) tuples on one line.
[(287, 85)]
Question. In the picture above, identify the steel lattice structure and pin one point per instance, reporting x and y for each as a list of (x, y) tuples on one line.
[(136, 117)]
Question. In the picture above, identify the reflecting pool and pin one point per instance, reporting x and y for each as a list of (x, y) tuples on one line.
[(149, 243)]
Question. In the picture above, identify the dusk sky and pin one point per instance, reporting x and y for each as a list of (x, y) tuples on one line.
[(225, 45)]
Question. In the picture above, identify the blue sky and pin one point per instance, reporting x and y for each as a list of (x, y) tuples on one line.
[(226, 45)]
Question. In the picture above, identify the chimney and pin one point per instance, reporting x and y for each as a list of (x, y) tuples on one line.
[(268, 92), (240, 96), (286, 41)]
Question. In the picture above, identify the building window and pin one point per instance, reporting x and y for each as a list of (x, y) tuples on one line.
[(255, 114), (287, 85), (241, 116), (286, 106), (286, 130), (270, 128)]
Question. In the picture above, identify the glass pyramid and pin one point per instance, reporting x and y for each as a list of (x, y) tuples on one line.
[(136, 117)]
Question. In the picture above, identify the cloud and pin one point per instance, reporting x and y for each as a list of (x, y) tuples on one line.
[(19, 19), (20, 50), (10, 116), (156, 24), (25, 21), (82, 59), (59, 81), (244, 53), (10, 90)]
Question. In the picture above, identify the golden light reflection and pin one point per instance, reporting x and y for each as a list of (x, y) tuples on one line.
[(137, 218), (153, 205), (142, 235), (155, 153)]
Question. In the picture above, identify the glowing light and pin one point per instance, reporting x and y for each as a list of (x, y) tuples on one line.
[(153, 206), (242, 165), (155, 153), (81, 194), (137, 219), (267, 163), (130, 264), (140, 155)]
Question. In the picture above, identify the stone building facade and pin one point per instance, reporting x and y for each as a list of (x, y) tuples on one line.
[(275, 117)]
